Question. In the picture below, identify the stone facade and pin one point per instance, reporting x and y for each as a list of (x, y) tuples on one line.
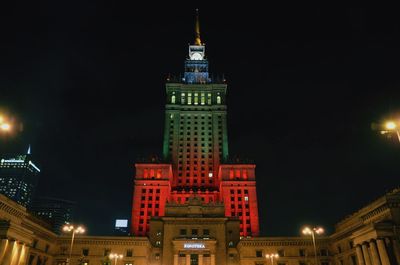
[(199, 233)]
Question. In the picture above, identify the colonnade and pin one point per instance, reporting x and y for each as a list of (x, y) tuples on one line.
[(375, 252), (13, 252)]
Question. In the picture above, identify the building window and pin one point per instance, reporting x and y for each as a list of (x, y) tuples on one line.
[(324, 263), (34, 243), (85, 252), (203, 99), (351, 244), (173, 99), (302, 263), (324, 252), (339, 249), (157, 256), (302, 252), (158, 243), (353, 260), (281, 253), (206, 232), (194, 232), (189, 98), (46, 248), (129, 253), (107, 252), (259, 253), (182, 232), (218, 99)]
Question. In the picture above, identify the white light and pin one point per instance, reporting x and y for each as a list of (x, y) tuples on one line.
[(210, 175), (194, 245), (121, 223)]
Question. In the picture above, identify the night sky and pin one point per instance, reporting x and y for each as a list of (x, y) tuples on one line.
[(86, 80)]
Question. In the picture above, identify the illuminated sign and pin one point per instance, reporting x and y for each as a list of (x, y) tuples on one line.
[(193, 245), (121, 223)]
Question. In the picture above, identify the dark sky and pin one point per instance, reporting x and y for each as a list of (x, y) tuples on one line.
[(304, 85)]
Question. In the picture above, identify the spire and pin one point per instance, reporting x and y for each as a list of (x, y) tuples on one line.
[(197, 40), (29, 150)]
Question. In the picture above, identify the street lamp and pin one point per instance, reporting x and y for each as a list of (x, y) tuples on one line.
[(272, 256), (390, 127), (116, 257), (74, 230), (312, 232), (5, 126)]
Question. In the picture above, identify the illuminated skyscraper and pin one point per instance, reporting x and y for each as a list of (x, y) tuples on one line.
[(18, 178), (196, 152)]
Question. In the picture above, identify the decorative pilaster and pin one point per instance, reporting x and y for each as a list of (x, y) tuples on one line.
[(200, 259), (360, 257), (382, 252), (176, 259), (367, 258), (212, 259), (187, 259), (374, 253)]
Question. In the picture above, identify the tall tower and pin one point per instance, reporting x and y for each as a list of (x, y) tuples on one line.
[(18, 178), (196, 148)]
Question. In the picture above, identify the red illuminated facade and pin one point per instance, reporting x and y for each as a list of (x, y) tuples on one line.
[(196, 148)]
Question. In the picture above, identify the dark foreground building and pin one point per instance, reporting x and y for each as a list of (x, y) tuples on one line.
[(57, 212), (198, 233)]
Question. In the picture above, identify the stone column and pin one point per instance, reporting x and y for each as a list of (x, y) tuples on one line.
[(360, 257), (187, 259), (27, 254), (396, 249), (382, 252), (200, 259), (367, 258), (17, 253), (7, 259), (22, 255), (3, 248), (374, 253), (212, 259), (176, 259)]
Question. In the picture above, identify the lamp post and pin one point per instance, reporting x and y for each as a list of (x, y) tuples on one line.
[(272, 256), (312, 232), (116, 257), (391, 127), (74, 230)]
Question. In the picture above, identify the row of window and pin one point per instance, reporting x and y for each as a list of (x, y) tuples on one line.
[(239, 191), (150, 190), (106, 252), (300, 263), (194, 232), (195, 98), (302, 253)]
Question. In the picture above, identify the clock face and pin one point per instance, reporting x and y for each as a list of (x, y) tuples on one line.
[(196, 56)]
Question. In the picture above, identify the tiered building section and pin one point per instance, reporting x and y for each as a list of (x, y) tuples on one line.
[(196, 147)]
